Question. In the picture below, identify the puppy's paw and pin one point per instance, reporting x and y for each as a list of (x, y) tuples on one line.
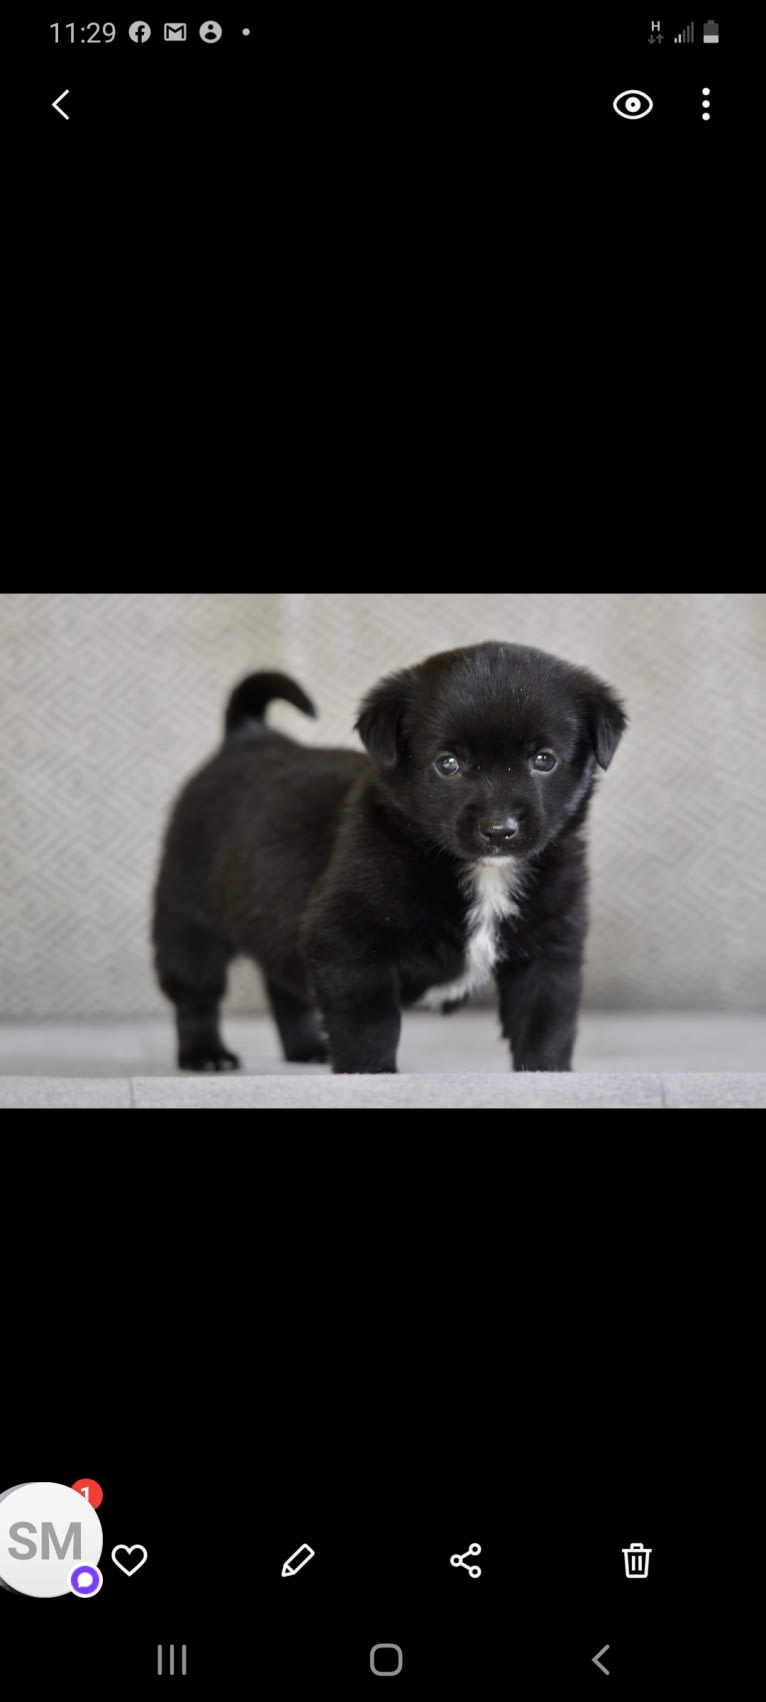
[(208, 1058)]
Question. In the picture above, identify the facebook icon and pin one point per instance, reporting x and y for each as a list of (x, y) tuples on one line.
[(139, 32)]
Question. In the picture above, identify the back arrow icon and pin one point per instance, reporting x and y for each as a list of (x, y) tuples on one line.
[(598, 1663), (59, 109)]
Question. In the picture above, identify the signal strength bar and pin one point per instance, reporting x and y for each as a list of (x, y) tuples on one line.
[(687, 34)]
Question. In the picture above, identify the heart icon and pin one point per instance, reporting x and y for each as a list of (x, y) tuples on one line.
[(122, 1548)]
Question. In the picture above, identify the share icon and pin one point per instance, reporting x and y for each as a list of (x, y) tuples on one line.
[(460, 1560)]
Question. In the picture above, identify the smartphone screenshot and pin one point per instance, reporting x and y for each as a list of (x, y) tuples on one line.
[(310, 1531)]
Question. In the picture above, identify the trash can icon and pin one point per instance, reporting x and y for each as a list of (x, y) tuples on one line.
[(636, 1560)]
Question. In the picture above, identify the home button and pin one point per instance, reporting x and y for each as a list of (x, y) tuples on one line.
[(381, 1660)]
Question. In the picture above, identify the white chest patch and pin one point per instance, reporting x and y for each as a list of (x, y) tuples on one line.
[(494, 890)]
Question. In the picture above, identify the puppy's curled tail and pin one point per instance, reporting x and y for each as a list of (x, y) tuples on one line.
[(249, 699)]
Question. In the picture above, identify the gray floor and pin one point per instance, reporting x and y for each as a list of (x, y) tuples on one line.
[(623, 1059)]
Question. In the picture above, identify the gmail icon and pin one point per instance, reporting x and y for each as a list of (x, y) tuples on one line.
[(175, 32)]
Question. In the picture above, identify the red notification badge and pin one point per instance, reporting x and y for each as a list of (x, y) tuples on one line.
[(90, 1490)]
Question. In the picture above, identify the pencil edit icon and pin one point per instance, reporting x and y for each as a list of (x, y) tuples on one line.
[(298, 1560)]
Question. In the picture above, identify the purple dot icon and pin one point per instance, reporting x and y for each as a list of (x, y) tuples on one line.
[(85, 1581)]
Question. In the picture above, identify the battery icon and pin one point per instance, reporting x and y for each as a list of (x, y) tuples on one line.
[(710, 31)]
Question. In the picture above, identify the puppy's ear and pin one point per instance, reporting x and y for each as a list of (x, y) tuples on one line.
[(606, 719), (380, 722)]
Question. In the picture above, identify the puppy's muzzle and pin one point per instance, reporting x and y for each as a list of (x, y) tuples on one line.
[(499, 833)]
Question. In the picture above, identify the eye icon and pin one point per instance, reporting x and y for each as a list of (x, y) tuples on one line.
[(633, 103)]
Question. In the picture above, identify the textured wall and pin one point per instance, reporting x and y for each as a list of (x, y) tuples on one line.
[(109, 699)]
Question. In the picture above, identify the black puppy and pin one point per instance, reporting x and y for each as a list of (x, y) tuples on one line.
[(364, 886)]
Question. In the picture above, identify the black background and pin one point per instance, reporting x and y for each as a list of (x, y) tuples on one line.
[(551, 1594), (363, 100), (386, 1349), (288, 227), (258, 265), (329, 135)]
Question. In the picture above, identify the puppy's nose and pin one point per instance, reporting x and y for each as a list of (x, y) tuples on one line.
[(498, 832)]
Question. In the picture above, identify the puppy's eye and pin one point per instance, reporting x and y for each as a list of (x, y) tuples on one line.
[(544, 762), (447, 764)]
